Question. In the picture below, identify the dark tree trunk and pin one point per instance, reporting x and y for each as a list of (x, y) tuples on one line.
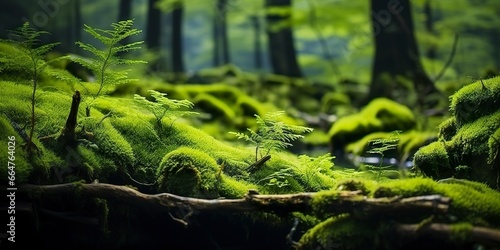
[(153, 26), (124, 13), (221, 46), (281, 48), (176, 45), (396, 52), (429, 27), (257, 43)]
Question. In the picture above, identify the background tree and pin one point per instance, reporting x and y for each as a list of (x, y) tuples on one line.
[(176, 49), (125, 13), (221, 44), (396, 52), (153, 26), (281, 41)]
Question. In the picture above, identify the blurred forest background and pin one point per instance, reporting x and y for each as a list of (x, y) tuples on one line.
[(333, 39)]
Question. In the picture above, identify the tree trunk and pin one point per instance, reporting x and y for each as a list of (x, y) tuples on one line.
[(429, 27), (125, 13), (153, 26), (221, 47), (258, 64), (396, 52), (176, 48), (281, 42)]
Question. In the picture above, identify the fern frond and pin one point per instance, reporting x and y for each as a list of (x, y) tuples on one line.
[(104, 60)]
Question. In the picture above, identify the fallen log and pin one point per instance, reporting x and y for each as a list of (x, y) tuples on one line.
[(481, 235), (344, 201)]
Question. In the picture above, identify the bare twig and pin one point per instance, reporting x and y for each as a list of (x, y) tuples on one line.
[(450, 59)]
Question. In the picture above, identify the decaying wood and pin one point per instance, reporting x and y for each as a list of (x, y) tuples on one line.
[(481, 235), (68, 133), (346, 201), (256, 165)]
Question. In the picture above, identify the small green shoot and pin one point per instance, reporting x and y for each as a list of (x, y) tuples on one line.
[(104, 60), (380, 146), (311, 167), (30, 60), (278, 178), (272, 134), (165, 107)]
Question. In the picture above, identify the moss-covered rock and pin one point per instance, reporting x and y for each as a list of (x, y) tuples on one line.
[(468, 146), (380, 115), (188, 172)]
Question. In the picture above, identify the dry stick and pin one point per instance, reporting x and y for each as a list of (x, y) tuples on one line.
[(450, 59), (482, 235)]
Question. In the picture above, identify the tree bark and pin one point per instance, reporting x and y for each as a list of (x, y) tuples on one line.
[(429, 27), (485, 236), (125, 13), (221, 44), (256, 24), (176, 45), (281, 42), (396, 51), (153, 26), (344, 202)]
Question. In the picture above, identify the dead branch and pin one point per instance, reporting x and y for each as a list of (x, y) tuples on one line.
[(345, 202), (482, 235), (450, 59)]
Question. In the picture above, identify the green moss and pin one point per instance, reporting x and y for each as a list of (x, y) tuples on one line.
[(433, 160), (468, 136), (215, 107), (461, 232), (339, 232), (494, 147), (188, 172), (475, 100), (232, 188), (332, 99), (447, 129), (380, 115), (471, 202)]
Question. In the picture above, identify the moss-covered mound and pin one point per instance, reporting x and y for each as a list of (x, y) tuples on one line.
[(469, 140), (121, 142), (472, 204), (380, 115)]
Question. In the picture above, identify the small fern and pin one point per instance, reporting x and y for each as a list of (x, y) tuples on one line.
[(272, 134), (165, 107), (311, 167), (30, 60), (104, 60), (383, 145)]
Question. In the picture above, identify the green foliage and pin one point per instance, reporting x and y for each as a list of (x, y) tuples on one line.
[(278, 179), (30, 60), (105, 59), (380, 146), (272, 134), (312, 167), (165, 107)]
